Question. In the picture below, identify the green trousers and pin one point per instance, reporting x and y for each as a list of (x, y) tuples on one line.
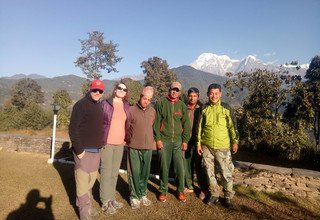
[(189, 167), (194, 164), (111, 156), (139, 164), (171, 151)]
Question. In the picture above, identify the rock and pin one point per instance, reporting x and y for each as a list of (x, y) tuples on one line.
[(303, 172)]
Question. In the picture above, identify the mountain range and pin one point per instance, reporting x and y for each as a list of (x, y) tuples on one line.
[(220, 65), (206, 69)]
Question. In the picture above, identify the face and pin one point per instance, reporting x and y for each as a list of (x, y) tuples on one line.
[(214, 95), (121, 91), (96, 94), (145, 101), (174, 93), (193, 98)]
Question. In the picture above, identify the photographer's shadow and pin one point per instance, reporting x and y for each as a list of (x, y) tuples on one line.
[(66, 172), (30, 209)]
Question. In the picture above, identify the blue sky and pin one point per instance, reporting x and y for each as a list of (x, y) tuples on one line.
[(42, 36)]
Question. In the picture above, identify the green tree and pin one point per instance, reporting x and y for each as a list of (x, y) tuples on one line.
[(34, 117), (62, 98), (299, 110), (265, 92), (134, 88), (313, 84), (260, 120), (97, 55), (26, 91), (158, 75), (313, 72)]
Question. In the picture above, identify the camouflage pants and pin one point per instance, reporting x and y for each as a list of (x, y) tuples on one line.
[(219, 166)]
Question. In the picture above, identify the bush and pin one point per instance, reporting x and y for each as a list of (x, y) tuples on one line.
[(34, 117), (30, 117), (273, 138)]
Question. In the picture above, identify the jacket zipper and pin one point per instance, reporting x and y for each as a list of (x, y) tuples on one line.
[(172, 122)]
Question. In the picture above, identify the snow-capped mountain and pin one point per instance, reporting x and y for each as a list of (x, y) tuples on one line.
[(220, 65), (213, 63)]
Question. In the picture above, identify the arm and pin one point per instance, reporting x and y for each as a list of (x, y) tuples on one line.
[(199, 130), (157, 124), (185, 122), (233, 131), (75, 122)]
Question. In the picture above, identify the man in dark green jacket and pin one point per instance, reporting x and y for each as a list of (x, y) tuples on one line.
[(172, 133)]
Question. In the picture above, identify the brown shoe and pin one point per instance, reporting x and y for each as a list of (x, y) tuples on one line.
[(202, 195), (181, 197), (188, 190), (162, 197)]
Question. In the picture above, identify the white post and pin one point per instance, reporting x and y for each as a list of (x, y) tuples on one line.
[(53, 138)]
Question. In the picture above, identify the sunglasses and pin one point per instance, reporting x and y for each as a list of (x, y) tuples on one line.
[(175, 89), (122, 89), (97, 90)]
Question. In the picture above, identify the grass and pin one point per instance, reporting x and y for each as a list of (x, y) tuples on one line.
[(29, 184)]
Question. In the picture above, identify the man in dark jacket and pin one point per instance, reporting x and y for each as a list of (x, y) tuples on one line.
[(140, 148), (172, 133), (193, 161), (86, 134)]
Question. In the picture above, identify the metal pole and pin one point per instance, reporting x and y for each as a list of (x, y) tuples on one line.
[(318, 129), (53, 138)]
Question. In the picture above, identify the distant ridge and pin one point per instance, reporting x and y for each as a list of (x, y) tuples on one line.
[(22, 76)]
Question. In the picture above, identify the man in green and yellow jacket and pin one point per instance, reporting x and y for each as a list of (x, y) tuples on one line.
[(217, 133), (172, 133)]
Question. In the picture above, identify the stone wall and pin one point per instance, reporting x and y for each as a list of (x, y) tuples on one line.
[(31, 143)]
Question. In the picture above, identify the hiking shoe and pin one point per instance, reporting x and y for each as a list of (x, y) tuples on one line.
[(181, 197), (227, 203), (108, 208), (135, 203), (116, 205), (188, 190), (213, 201), (202, 195), (162, 197), (93, 212), (145, 201), (86, 218)]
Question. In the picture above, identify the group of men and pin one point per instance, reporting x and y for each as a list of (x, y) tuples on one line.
[(194, 137)]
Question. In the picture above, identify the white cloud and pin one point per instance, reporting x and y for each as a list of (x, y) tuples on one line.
[(269, 54)]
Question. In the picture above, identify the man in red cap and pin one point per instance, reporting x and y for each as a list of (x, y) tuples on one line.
[(86, 134)]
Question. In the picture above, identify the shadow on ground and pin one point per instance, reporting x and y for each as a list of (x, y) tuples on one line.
[(30, 211)]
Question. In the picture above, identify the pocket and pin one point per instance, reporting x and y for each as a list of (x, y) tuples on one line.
[(221, 119)]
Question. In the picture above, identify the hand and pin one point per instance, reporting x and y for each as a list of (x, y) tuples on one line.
[(159, 145), (81, 155), (199, 150), (48, 201), (234, 148), (184, 146)]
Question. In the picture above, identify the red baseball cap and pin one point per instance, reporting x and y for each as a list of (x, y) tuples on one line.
[(97, 84)]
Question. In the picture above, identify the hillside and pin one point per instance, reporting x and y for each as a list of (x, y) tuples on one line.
[(187, 75), (190, 77), (71, 83)]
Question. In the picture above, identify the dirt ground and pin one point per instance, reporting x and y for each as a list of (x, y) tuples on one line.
[(33, 189)]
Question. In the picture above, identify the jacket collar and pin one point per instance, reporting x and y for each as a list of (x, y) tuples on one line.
[(217, 104), (192, 107), (170, 99), (140, 107)]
